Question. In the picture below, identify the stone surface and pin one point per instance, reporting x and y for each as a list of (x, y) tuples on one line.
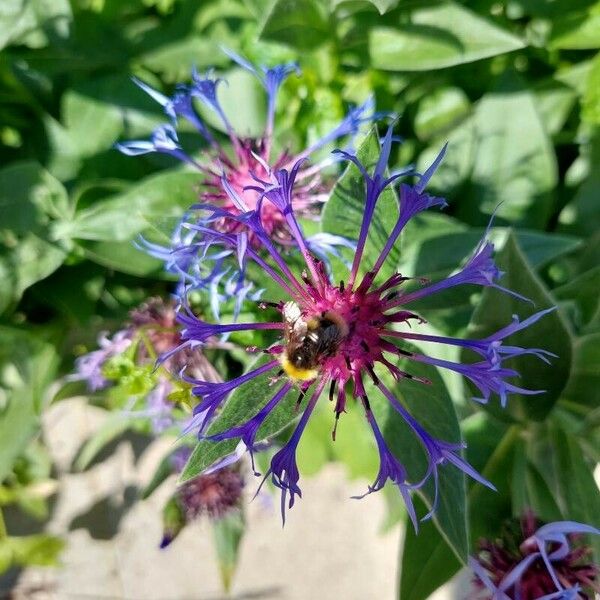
[(330, 547)]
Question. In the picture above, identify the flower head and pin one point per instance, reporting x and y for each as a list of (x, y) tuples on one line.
[(229, 180), (345, 334), (88, 367), (531, 564)]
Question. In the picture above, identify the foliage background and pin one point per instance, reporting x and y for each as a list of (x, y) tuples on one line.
[(514, 86)]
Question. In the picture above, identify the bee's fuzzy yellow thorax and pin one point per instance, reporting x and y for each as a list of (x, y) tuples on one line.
[(296, 373)]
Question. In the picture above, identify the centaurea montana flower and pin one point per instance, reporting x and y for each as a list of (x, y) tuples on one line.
[(534, 563), (190, 256), (340, 334)]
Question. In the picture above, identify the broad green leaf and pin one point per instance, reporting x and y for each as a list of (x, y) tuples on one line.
[(174, 60), (31, 202), (438, 36), (515, 166), (529, 490), (33, 22), (577, 32), (581, 299), (123, 257), (343, 212), (243, 403), (28, 364), (458, 161), (590, 103), (247, 118), (227, 534), (427, 562), (302, 24), (92, 125), (124, 216), (38, 549), (583, 386), (581, 216), (432, 407), (496, 309), (440, 110), (554, 102), (30, 197), (569, 476), (28, 261)]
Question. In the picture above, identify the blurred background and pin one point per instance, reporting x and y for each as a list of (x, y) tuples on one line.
[(513, 86)]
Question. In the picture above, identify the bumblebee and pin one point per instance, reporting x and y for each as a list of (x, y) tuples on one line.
[(308, 342)]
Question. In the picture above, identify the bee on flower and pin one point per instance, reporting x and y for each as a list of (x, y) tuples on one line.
[(340, 336)]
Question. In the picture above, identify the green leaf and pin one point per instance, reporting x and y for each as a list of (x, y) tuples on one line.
[(438, 36), (33, 23), (247, 118), (124, 216), (343, 212), (38, 549), (440, 110), (590, 103), (243, 403), (569, 476), (581, 216), (583, 386), (31, 202), (302, 24), (427, 562), (514, 161), (227, 534), (91, 124), (581, 299), (174, 60), (554, 102), (577, 32), (28, 365), (432, 407), (495, 310), (529, 490)]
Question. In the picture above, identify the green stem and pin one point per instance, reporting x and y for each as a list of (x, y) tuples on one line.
[(3, 533)]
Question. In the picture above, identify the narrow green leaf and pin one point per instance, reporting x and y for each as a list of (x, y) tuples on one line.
[(496, 309), (438, 36), (243, 403)]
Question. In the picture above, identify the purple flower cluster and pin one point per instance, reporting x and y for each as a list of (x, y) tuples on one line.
[(228, 184), (542, 564)]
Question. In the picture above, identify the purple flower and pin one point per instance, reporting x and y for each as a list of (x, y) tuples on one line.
[(88, 367), (342, 334), (526, 564), (228, 182)]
